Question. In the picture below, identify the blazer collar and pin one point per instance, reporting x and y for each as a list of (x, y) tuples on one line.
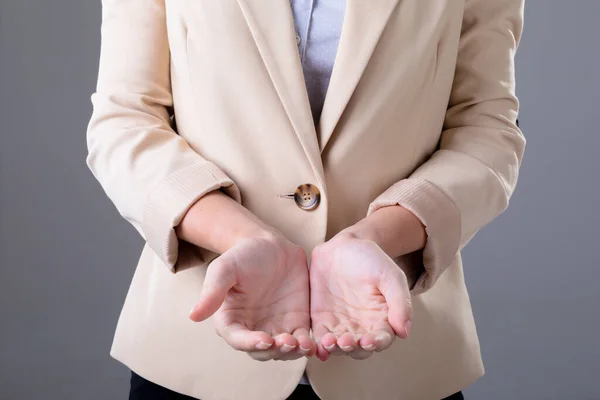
[(364, 23), (272, 26)]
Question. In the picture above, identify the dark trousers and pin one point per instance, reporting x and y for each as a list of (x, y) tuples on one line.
[(141, 389)]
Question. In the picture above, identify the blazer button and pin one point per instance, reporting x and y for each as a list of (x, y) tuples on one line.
[(307, 197)]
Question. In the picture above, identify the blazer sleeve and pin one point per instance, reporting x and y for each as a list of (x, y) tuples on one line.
[(468, 181), (150, 173)]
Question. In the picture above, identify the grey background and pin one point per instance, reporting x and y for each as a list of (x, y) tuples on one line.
[(67, 257)]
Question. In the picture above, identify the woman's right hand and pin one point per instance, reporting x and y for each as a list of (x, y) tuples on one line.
[(258, 292)]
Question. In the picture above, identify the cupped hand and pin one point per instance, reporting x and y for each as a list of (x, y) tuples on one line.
[(360, 299), (258, 292)]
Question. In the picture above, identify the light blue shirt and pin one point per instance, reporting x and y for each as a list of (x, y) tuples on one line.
[(318, 26)]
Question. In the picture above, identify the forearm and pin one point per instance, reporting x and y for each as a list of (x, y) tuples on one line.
[(395, 229), (216, 222)]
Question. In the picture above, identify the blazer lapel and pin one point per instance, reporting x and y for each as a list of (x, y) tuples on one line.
[(272, 26), (364, 23)]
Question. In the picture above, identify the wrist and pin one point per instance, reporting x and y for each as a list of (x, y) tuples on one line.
[(255, 232), (395, 229), (217, 223), (359, 231)]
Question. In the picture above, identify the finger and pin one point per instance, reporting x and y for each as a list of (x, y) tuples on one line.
[(282, 349), (329, 342), (219, 279), (383, 340), (274, 354), (347, 342), (394, 288), (368, 342), (306, 346), (322, 354), (285, 343), (319, 332), (264, 355), (241, 338)]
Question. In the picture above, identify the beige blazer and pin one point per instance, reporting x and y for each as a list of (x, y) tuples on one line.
[(421, 111)]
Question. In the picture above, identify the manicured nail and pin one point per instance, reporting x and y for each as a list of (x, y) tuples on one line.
[(347, 349), (286, 348), (305, 350), (192, 311), (407, 327), (330, 347), (263, 345), (370, 347)]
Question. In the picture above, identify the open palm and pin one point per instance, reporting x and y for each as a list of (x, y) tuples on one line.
[(360, 298), (258, 293)]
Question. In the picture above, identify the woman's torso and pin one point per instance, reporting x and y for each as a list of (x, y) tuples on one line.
[(240, 100)]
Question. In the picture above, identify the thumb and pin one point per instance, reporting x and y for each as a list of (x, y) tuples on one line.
[(394, 288), (219, 279)]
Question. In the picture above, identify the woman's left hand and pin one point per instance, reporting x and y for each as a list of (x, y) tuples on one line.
[(360, 299)]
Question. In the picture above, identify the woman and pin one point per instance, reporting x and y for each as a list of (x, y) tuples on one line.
[(213, 136)]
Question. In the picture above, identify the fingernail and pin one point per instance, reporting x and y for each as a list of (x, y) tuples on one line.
[(192, 311), (286, 348), (347, 348), (303, 349), (263, 345), (369, 347), (330, 347), (407, 327)]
